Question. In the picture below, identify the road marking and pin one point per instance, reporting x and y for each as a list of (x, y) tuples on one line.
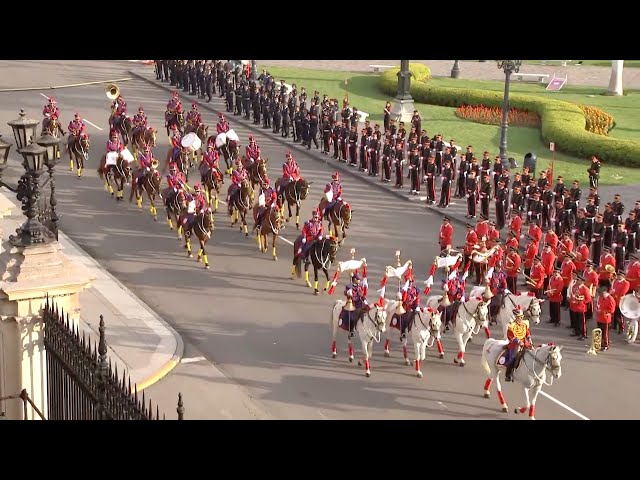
[(567, 407), (281, 238), (192, 360), (84, 119), (442, 405), (324, 417), (71, 85)]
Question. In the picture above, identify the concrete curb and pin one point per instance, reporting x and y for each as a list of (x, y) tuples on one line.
[(315, 156), (179, 351)]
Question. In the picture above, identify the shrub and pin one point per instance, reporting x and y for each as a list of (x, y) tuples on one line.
[(561, 122), (493, 116), (419, 72), (598, 121)]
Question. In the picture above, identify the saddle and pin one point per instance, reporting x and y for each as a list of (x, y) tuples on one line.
[(501, 361), (455, 306)]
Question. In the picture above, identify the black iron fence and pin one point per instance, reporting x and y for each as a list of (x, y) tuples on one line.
[(46, 207), (82, 385), (26, 402)]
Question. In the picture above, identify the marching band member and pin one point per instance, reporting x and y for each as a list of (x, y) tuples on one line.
[(446, 234), (140, 122), (411, 304), (51, 109), (114, 144), (237, 177), (516, 222), (519, 337), (482, 227), (174, 105), (145, 160), (582, 254), (551, 239), (194, 118), (606, 268), (445, 187), (513, 263), (591, 281), (252, 151), (530, 253), (270, 200), (633, 272), (537, 277), (222, 125), (77, 127), (312, 231), (210, 161), (336, 188), (176, 139), (548, 263), (354, 291), (567, 269), (554, 295), (606, 307), (619, 289), (471, 241), (579, 297)]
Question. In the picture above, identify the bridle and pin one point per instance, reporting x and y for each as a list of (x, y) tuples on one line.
[(378, 322), (550, 363), (528, 313), (325, 263), (475, 316)]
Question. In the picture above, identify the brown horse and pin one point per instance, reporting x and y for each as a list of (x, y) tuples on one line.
[(182, 161), (239, 205), (117, 175), (150, 183), (340, 216), (202, 227), (78, 150), (124, 128), (173, 118), (230, 151), (212, 181), (256, 171), (175, 204), (201, 131), (321, 254), (142, 138), (293, 194), (52, 127), (271, 224)]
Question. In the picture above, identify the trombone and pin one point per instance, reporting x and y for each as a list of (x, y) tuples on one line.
[(529, 281)]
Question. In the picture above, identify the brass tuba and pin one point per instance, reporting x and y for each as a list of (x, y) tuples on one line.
[(596, 341), (112, 91)]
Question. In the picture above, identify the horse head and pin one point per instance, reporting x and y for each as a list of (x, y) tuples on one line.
[(333, 248), (152, 136), (554, 359), (481, 314), (435, 321), (534, 310), (303, 188), (208, 219), (379, 318), (346, 215)]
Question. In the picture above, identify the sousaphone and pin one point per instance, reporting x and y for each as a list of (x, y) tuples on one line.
[(112, 91), (630, 307)]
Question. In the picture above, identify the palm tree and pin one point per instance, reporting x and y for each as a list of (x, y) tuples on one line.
[(615, 84)]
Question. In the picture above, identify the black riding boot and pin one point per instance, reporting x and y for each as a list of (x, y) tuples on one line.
[(508, 375)]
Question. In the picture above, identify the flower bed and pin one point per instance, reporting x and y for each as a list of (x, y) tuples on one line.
[(598, 121), (493, 116)]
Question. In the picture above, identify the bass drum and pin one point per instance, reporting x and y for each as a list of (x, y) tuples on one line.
[(231, 135), (221, 140), (126, 154), (191, 141)]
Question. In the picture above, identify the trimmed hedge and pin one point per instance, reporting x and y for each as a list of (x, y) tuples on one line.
[(562, 122)]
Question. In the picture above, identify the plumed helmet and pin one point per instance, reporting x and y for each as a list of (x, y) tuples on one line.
[(194, 106), (173, 167), (140, 109), (114, 134), (336, 176), (77, 116), (52, 101), (316, 213), (211, 145), (221, 115), (197, 187), (356, 277)]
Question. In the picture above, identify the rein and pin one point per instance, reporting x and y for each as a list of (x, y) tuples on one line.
[(474, 317), (324, 263), (541, 379), (528, 312), (372, 336)]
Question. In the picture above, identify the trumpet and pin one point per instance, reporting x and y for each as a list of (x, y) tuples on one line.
[(547, 292), (529, 281)]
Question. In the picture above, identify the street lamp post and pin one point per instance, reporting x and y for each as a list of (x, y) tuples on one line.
[(32, 232), (455, 71), (253, 70), (52, 144), (403, 102), (509, 67)]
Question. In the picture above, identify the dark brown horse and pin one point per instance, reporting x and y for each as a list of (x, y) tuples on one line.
[(239, 205), (142, 138), (256, 171), (182, 161), (150, 183), (293, 194), (124, 128), (78, 150), (321, 254), (229, 151), (212, 181), (340, 216), (202, 227), (117, 175), (175, 204), (271, 224), (173, 118), (52, 127), (201, 131)]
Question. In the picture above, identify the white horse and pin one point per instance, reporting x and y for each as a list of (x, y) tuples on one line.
[(434, 332), (530, 305), (531, 373), (472, 315), (368, 329), (426, 326)]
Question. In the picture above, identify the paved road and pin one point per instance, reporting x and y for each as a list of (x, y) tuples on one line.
[(269, 334)]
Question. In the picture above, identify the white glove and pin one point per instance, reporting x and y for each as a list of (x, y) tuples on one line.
[(304, 239), (299, 251), (350, 292), (320, 237), (529, 213), (614, 245)]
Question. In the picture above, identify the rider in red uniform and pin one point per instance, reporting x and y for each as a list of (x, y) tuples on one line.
[(114, 144), (51, 110), (145, 160), (201, 206), (519, 336), (140, 122), (210, 161), (411, 303), (356, 292), (238, 176), (311, 231), (175, 180), (223, 125), (270, 200), (336, 188), (176, 139), (76, 127), (252, 150), (193, 117), (174, 105)]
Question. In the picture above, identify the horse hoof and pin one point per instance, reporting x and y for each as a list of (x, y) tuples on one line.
[(298, 226), (505, 409), (368, 374), (407, 362), (359, 363), (350, 359), (455, 360), (155, 219), (334, 355), (486, 395), (206, 267), (419, 374), (441, 356), (190, 255), (246, 234), (308, 284), (387, 354), (287, 220), (462, 364), (316, 292), (275, 259)]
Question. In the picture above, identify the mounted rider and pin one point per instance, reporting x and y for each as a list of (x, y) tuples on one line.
[(194, 118), (210, 161), (411, 304), (455, 289), (119, 107), (174, 105), (114, 144), (252, 151), (140, 122), (270, 200), (239, 175), (77, 128), (146, 161), (176, 180), (222, 126), (290, 172), (176, 139), (356, 292), (519, 337), (198, 205), (336, 193), (498, 286), (51, 110), (312, 231)]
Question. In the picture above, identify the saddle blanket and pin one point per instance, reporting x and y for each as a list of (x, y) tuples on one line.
[(112, 157), (232, 135), (329, 195), (192, 207)]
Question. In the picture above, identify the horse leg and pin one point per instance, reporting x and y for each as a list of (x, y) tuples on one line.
[(273, 244), (120, 186), (306, 274), (152, 201), (169, 220), (289, 210), (462, 339), (328, 282), (418, 346), (205, 257), (366, 353), (528, 405), (496, 376), (334, 327), (532, 402), (350, 345), (386, 346), (187, 245), (440, 348), (297, 215), (244, 224), (315, 280)]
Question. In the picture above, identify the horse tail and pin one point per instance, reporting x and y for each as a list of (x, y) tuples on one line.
[(298, 263), (485, 362)]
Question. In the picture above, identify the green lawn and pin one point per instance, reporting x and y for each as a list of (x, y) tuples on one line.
[(365, 95), (596, 63)]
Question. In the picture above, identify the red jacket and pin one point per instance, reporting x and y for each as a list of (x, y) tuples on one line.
[(537, 274), (482, 228), (470, 241), (222, 127), (446, 235), (566, 270), (566, 246), (576, 305), (529, 254), (619, 289), (513, 263), (512, 242), (516, 224), (548, 259), (494, 236), (591, 280), (312, 231), (606, 259), (552, 239), (556, 284), (633, 275), (535, 232), (606, 307), (582, 255)]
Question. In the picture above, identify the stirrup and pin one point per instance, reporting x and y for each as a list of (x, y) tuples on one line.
[(351, 334)]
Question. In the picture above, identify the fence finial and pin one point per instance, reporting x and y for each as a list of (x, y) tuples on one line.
[(180, 408)]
